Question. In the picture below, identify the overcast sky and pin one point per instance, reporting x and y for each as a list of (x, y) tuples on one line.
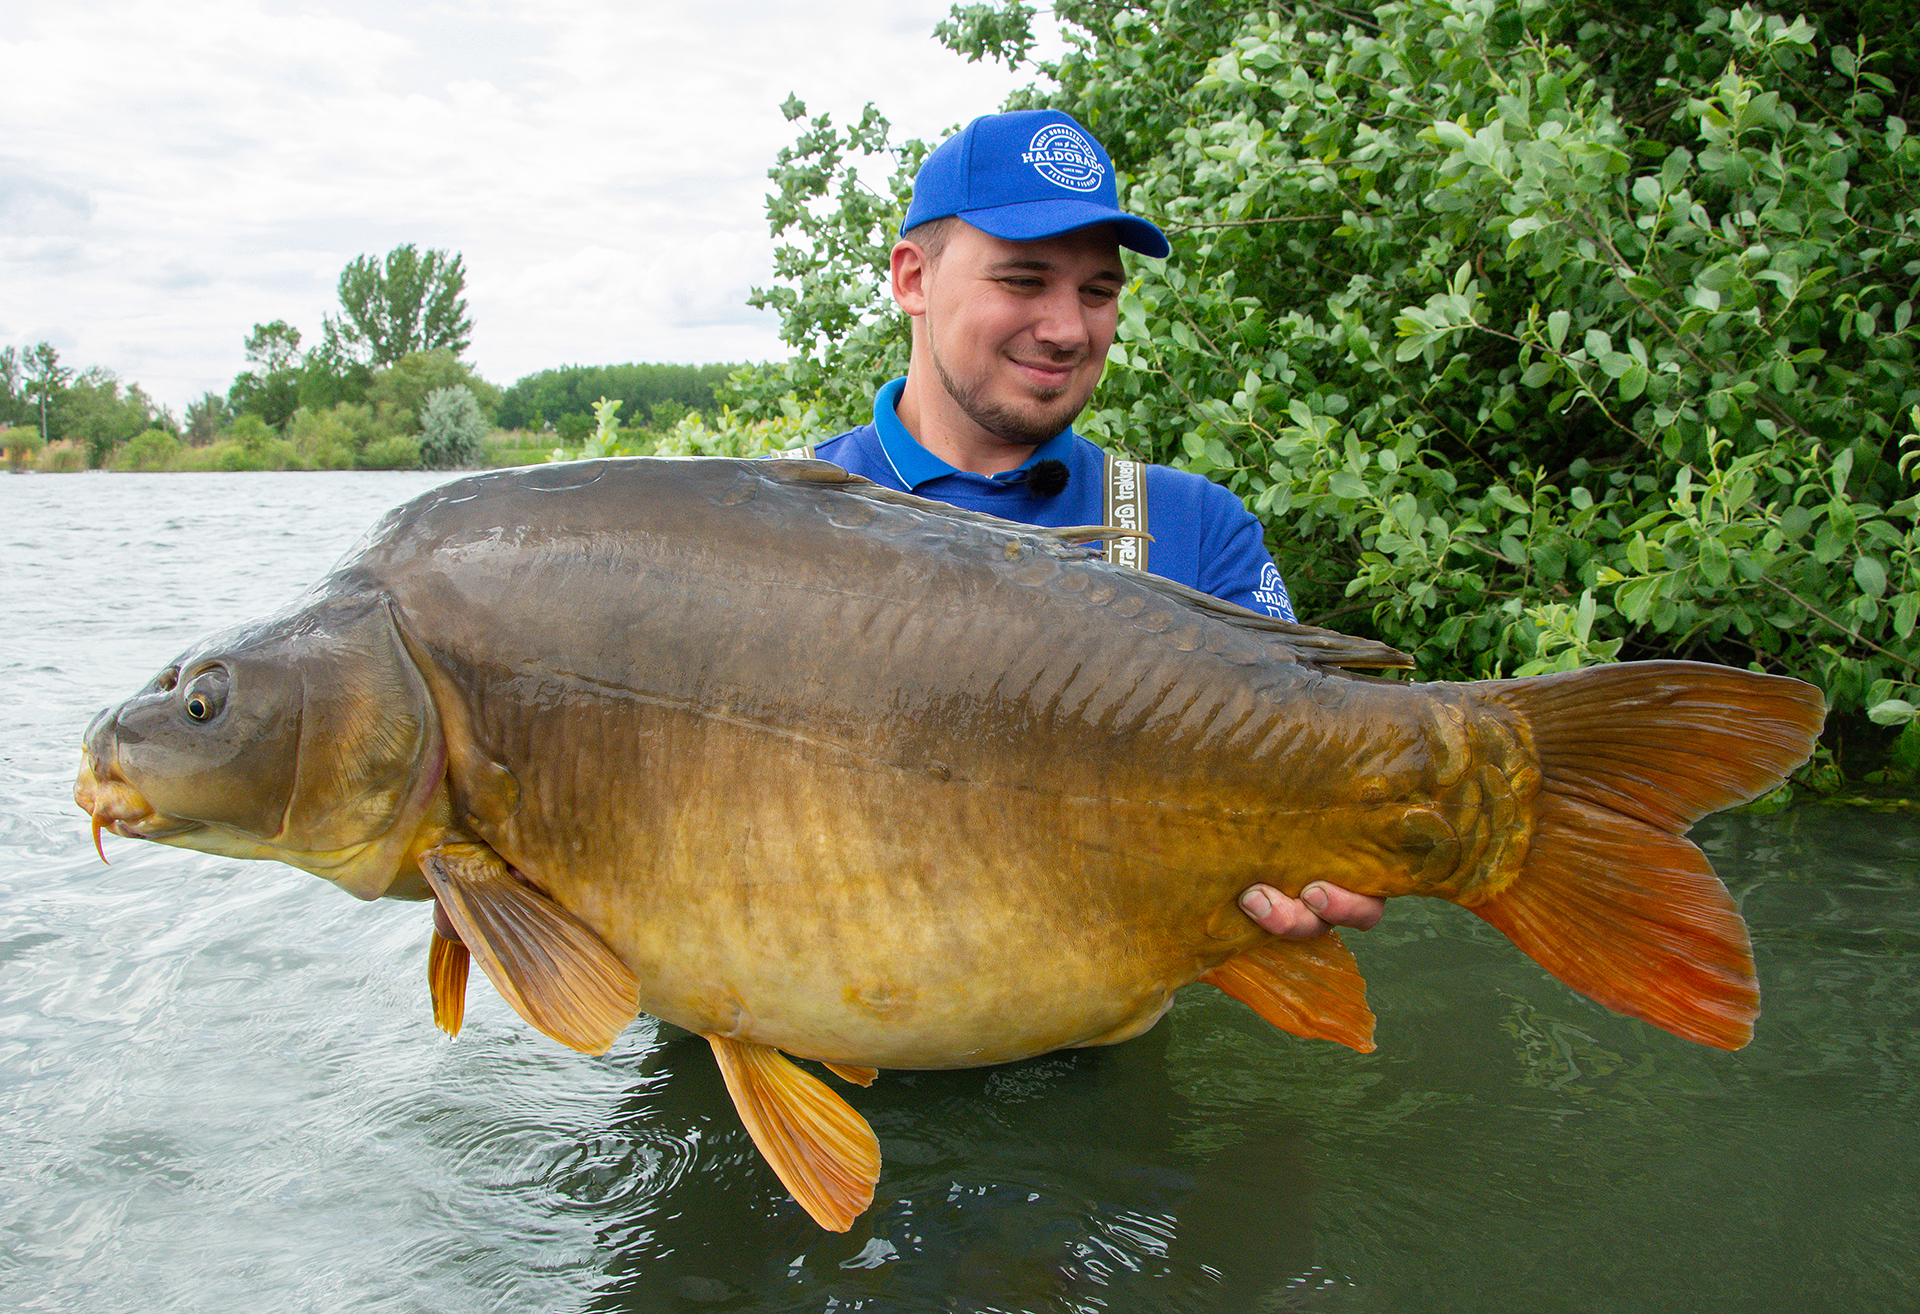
[(175, 171)]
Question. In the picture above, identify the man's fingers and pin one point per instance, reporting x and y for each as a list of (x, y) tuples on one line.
[(1359, 912), (1319, 908)]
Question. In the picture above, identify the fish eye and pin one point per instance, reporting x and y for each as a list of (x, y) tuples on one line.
[(205, 695)]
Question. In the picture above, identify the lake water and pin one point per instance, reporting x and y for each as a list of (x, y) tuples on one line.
[(221, 1087)]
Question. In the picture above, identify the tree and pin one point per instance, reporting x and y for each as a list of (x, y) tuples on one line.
[(657, 395), (332, 377), (14, 406), (451, 429), (410, 302), (95, 411), (46, 376), (271, 389), (1537, 334), (206, 418), (398, 393)]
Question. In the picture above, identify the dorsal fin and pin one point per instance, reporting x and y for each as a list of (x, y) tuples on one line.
[(1305, 643), (826, 473)]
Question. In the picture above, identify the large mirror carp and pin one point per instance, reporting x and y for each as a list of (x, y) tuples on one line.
[(816, 769)]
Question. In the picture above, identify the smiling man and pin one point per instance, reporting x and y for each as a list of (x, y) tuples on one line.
[(1009, 266)]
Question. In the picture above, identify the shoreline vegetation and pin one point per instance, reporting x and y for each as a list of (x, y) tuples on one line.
[(159, 451), (1537, 336)]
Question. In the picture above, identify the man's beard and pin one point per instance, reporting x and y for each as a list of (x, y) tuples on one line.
[(1007, 425)]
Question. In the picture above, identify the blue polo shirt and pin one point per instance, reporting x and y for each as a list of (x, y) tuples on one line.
[(1202, 536)]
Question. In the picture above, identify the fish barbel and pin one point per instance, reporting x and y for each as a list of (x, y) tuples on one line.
[(817, 769)]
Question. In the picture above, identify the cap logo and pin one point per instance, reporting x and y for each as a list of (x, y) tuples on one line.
[(1065, 158)]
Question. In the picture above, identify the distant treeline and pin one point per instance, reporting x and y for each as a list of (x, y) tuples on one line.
[(654, 396), (384, 388)]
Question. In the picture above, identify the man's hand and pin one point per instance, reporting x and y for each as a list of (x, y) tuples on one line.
[(1319, 909)]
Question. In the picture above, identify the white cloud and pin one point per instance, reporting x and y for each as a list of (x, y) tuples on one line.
[(183, 170)]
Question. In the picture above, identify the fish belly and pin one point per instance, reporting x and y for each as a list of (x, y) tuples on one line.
[(866, 917)]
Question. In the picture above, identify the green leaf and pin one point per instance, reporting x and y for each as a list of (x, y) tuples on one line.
[(1870, 573), (1506, 497), (1347, 486), (1557, 324), (1635, 597), (1894, 711), (1714, 562)]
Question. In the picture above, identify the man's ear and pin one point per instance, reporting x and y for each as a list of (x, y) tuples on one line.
[(911, 269)]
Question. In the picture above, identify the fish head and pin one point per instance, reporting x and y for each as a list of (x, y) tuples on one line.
[(309, 739)]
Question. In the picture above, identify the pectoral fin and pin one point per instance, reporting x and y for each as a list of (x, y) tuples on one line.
[(447, 978), (822, 1151), (1311, 988), (545, 962)]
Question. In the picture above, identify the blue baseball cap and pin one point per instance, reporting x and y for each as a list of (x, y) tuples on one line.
[(1023, 176)]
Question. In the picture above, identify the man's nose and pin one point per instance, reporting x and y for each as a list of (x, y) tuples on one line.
[(1062, 322)]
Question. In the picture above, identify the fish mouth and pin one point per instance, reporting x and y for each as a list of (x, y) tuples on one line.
[(116, 806)]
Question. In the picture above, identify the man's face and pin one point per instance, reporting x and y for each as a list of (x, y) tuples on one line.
[(1018, 331)]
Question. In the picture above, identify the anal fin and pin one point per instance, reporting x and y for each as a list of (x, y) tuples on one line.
[(823, 1152), (850, 1073), (545, 962), (447, 978), (1310, 988)]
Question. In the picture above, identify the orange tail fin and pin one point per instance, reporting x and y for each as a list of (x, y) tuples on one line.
[(1610, 898)]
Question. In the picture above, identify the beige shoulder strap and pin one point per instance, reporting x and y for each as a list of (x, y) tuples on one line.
[(1126, 497)]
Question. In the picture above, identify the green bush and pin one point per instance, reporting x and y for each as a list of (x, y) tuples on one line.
[(155, 449), (62, 458), (1538, 334), (398, 393), (323, 440), (730, 435), (505, 447), (271, 453), (395, 452), (22, 444), (451, 430)]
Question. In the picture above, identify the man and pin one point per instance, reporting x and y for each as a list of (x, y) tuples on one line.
[(1009, 266)]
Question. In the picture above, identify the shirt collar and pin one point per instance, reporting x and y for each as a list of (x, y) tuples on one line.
[(916, 465)]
